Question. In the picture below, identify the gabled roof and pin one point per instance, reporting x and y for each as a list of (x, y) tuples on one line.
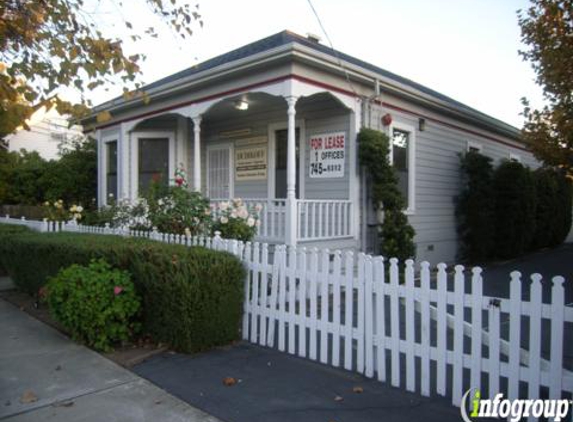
[(285, 38)]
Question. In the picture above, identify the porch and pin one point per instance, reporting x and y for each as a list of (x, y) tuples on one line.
[(317, 220), (288, 146)]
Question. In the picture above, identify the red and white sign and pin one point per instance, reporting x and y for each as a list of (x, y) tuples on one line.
[(327, 155)]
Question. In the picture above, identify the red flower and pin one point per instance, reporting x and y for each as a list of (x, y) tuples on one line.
[(117, 290), (179, 180)]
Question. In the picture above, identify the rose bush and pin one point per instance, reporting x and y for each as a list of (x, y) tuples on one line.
[(57, 211), (236, 219)]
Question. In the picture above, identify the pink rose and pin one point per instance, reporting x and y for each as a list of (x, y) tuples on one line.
[(117, 290)]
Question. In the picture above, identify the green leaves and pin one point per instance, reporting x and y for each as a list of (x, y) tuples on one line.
[(547, 31), (48, 45), (396, 233), (85, 301), (191, 297)]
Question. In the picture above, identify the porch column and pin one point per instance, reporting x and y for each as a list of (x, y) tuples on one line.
[(291, 202), (197, 153), (126, 166)]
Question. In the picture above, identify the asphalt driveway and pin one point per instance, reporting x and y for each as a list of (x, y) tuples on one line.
[(548, 263), (277, 387)]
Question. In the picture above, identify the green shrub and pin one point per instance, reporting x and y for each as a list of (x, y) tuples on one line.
[(7, 230), (396, 233), (236, 220), (546, 185), (96, 303), (563, 211), (475, 208), (515, 205), (191, 297)]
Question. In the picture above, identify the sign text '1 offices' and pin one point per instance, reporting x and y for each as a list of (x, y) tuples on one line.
[(327, 155)]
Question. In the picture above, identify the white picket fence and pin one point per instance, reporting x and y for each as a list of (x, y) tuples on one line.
[(428, 330)]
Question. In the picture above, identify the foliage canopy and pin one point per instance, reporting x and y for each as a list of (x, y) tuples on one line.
[(46, 45), (547, 31)]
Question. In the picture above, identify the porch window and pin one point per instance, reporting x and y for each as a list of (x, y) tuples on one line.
[(153, 162), (281, 148), (111, 169), (400, 160)]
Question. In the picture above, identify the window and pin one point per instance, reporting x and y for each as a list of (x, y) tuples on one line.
[(153, 162), (111, 169), (474, 147), (401, 160)]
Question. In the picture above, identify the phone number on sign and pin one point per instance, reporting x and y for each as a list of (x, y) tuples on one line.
[(319, 168)]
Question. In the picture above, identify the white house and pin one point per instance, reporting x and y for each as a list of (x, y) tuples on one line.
[(48, 129), (275, 122)]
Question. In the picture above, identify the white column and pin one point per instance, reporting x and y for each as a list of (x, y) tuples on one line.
[(291, 202), (354, 170), (197, 153), (101, 171), (125, 165)]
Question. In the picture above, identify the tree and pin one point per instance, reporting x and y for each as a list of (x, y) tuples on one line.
[(547, 31), (49, 44), (73, 178)]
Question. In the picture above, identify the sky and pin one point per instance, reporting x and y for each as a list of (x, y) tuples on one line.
[(466, 49)]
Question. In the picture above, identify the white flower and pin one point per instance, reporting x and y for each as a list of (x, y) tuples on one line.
[(223, 206), (233, 214), (160, 202), (79, 208), (250, 221), (110, 195), (258, 223), (258, 207), (224, 220), (238, 202), (73, 208), (243, 213), (207, 211), (187, 232)]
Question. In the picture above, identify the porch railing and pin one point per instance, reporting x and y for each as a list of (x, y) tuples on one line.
[(272, 218), (324, 219), (317, 219)]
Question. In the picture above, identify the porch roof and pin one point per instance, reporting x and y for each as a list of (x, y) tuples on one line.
[(286, 38)]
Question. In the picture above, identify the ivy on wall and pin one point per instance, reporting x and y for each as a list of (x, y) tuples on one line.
[(395, 232)]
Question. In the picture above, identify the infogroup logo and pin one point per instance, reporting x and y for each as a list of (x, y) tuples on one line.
[(498, 407)]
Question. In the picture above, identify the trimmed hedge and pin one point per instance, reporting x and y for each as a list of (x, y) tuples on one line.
[(475, 209), (192, 297), (515, 209), (7, 230)]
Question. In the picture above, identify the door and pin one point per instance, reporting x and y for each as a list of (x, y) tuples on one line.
[(219, 172)]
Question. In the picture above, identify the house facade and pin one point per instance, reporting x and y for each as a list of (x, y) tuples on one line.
[(47, 131), (275, 122)]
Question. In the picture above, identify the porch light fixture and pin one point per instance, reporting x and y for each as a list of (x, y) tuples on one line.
[(241, 105), (422, 124)]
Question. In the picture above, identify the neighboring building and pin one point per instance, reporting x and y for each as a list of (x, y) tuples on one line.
[(276, 121), (47, 130)]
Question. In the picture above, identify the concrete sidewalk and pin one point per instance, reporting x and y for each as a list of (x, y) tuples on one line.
[(45, 376)]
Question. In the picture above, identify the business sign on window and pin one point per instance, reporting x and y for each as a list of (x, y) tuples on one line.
[(327, 155), (251, 163)]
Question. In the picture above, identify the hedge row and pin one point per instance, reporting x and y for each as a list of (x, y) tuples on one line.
[(192, 297), (507, 211)]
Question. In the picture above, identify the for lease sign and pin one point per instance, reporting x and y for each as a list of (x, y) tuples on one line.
[(327, 155)]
